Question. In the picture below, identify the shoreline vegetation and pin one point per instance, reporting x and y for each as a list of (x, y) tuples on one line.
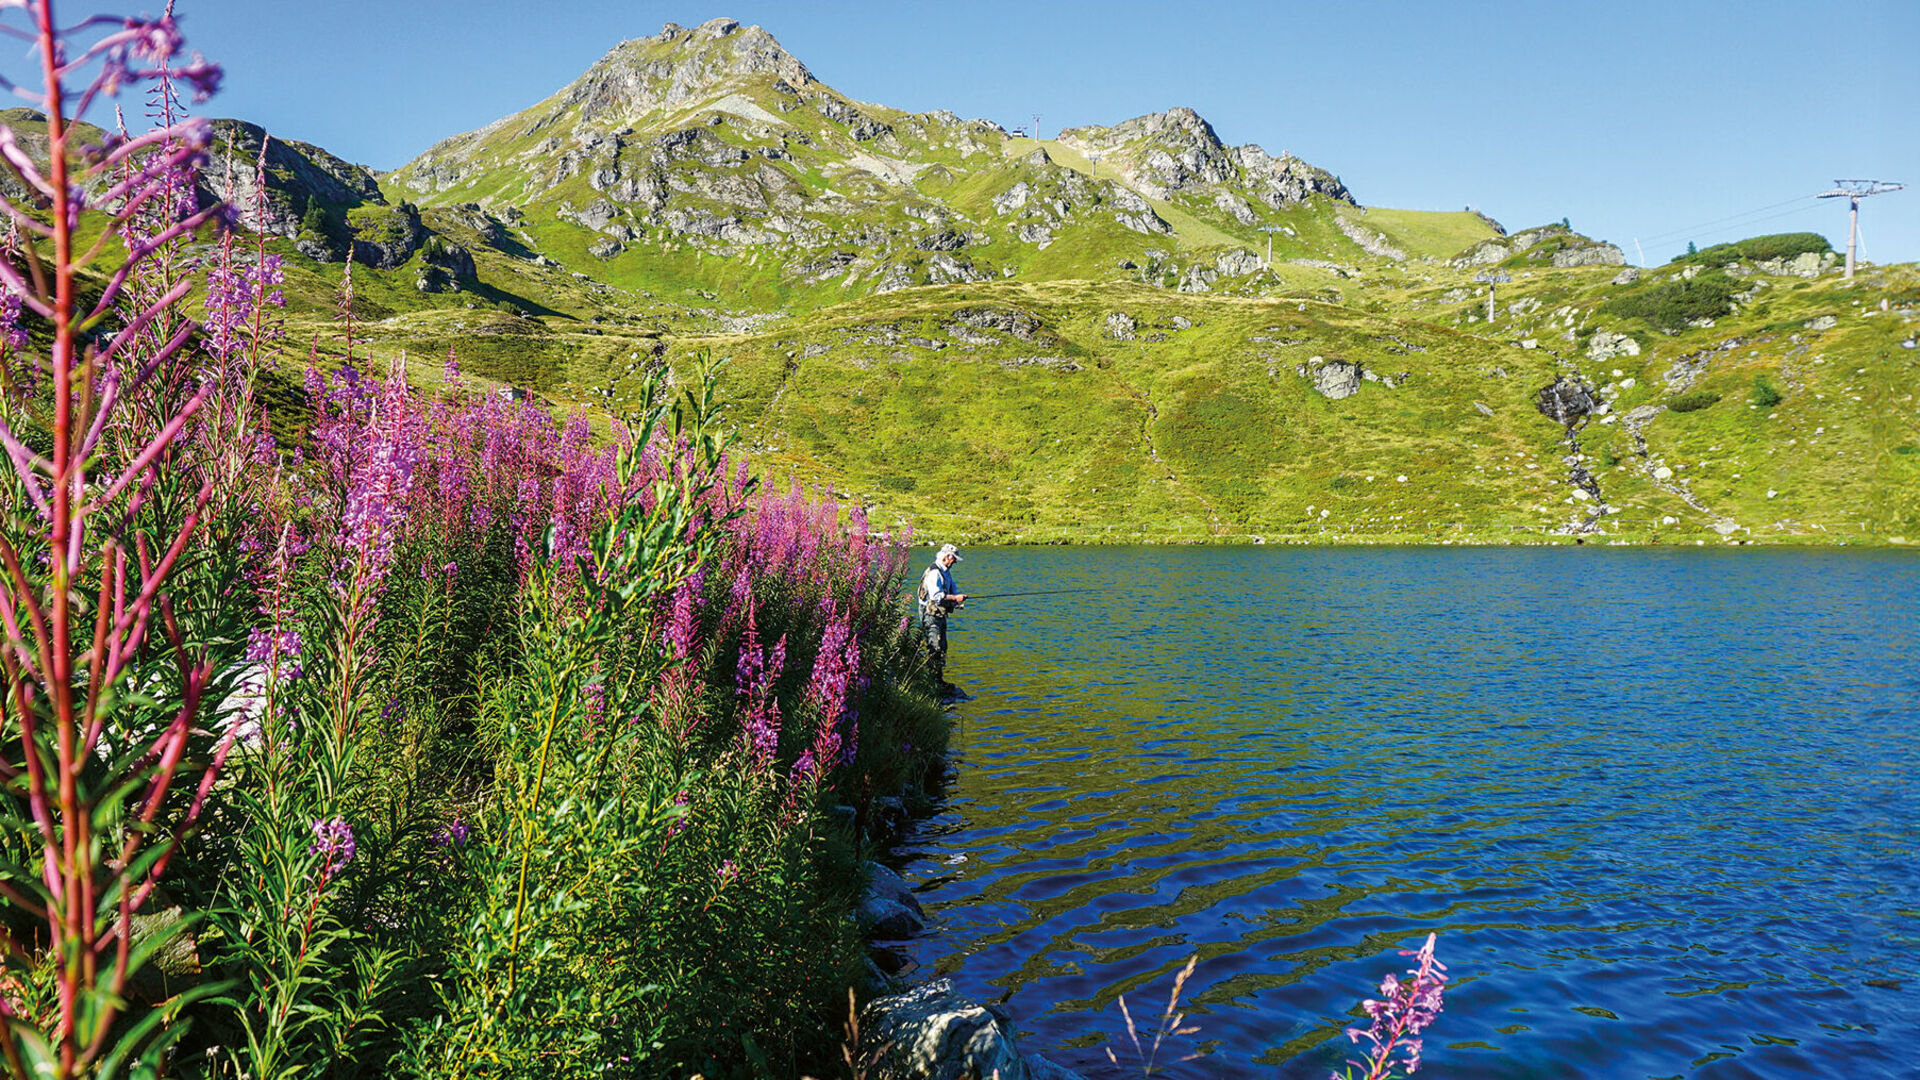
[(450, 741)]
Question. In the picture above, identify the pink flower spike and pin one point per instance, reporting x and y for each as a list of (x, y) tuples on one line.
[(1407, 1010)]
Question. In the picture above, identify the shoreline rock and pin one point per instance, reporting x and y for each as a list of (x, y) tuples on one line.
[(933, 1032)]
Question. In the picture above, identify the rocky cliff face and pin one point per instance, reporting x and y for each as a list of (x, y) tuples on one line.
[(298, 175), (1551, 245), (641, 83), (678, 68), (718, 140), (1162, 154)]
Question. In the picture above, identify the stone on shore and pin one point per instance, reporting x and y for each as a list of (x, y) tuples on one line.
[(934, 1033)]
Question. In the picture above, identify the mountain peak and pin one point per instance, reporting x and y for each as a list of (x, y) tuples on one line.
[(1177, 150), (679, 67)]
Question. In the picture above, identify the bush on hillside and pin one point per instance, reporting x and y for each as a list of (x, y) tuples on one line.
[(1765, 395), (1693, 401), (1758, 249), (1670, 305)]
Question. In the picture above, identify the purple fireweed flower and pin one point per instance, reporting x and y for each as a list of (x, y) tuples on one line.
[(681, 629), (452, 834), (850, 740), (12, 334), (235, 296), (679, 823), (728, 873), (741, 594), (271, 647), (333, 842), (1405, 1010), (835, 676), (835, 667), (596, 695), (754, 676)]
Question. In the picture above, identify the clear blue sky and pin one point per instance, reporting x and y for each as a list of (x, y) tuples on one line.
[(1668, 121)]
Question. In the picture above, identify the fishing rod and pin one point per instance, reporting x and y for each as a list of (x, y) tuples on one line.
[(1036, 592)]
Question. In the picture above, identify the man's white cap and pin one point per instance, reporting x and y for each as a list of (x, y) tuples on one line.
[(949, 549)]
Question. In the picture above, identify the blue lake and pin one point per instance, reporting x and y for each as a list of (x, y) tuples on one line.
[(1660, 806)]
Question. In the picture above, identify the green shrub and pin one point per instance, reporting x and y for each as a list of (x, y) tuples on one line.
[(380, 224), (1758, 248), (316, 223), (1670, 305), (1765, 394), (1693, 401)]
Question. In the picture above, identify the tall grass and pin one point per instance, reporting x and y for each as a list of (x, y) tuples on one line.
[(449, 743)]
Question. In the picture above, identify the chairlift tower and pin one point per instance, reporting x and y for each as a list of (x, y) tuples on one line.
[(1270, 230), (1491, 279), (1853, 191), (1036, 126)]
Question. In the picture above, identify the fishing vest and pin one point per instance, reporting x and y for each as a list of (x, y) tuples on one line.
[(947, 588)]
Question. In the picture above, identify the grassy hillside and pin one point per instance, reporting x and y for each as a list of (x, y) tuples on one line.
[(1069, 409), (1083, 338)]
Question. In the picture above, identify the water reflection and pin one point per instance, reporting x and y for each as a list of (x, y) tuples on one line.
[(1658, 804)]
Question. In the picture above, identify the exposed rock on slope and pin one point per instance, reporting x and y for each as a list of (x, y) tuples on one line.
[(718, 140), (1552, 245), (1177, 151), (298, 175)]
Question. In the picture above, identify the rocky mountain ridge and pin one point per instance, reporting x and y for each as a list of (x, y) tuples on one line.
[(713, 142)]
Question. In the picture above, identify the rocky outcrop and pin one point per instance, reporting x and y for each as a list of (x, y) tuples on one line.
[(679, 67), (446, 267), (491, 230), (1337, 379), (1554, 245), (862, 127), (1137, 214), (935, 1033), (1238, 262), (298, 177), (1595, 254), (1605, 345), (1006, 320), (945, 269), (1121, 326), (1485, 253), (385, 236), (1198, 279), (1177, 151), (944, 240), (1567, 400), (1371, 242), (1810, 264)]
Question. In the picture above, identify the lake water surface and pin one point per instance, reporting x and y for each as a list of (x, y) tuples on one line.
[(1660, 806)]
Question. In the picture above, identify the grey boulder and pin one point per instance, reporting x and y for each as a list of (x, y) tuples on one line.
[(933, 1033)]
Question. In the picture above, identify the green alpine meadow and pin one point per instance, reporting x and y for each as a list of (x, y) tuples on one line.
[(1147, 334)]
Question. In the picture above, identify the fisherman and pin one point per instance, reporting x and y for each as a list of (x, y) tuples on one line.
[(938, 596)]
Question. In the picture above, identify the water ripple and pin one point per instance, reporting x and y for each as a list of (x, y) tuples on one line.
[(1659, 805)]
